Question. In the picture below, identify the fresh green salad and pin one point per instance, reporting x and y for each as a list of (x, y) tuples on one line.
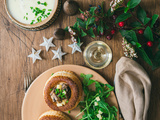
[(94, 105)]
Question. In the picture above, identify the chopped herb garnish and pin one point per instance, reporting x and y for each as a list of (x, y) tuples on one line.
[(32, 22), (48, 13), (50, 89), (49, 9), (52, 74), (67, 101), (45, 4), (26, 13), (26, 18), (39, 2), (31, 8), (69, 111)]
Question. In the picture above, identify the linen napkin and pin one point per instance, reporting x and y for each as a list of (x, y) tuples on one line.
[(132, 87)]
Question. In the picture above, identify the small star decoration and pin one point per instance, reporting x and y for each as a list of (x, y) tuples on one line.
[(47, 43), (58, 54), (35, 55), (75, 47)]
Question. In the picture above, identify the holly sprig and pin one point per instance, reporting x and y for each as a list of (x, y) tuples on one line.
[(141, 31), (131, 20)]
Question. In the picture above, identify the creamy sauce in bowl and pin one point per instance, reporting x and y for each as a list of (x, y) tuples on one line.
[(30, 11)]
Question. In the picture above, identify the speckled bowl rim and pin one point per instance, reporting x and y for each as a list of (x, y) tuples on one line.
[(41, 25)]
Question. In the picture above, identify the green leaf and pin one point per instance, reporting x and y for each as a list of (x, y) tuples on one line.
[(154, 19), (86, 78), (66, 29), (129, 3), (144, 56), (76, 26), (78, 41), (141, 14), (134, 3), (126, 9), (156, 60), (123, 17), (92, 10), (106, 26), (146, 20), (90, 21), (81, 11), (91, 33), (100, 27), (135, 24), (81, 23), (138, 45), (83, 34), (130, 35), (148, 34), (90, 82), (109, 13)]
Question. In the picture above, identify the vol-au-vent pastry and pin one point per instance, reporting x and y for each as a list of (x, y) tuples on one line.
[(53, 115), (63, 91)]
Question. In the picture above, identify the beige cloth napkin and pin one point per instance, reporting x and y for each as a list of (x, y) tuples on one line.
[(132, 87)]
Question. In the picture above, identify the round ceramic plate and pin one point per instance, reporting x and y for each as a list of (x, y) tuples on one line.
[(34, 105)]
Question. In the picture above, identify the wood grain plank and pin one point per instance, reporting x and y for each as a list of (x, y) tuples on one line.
[(16, 44)]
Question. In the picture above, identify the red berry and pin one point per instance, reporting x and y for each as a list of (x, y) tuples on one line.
[(140, 32), (121, 24), (96, 19), (149, 43), (109, 37), (113, 32)]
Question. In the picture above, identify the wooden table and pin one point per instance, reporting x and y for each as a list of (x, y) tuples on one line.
[(16, 44)]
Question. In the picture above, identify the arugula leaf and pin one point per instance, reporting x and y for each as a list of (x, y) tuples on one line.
[(154, 19), (148, 34), (123, 17), (134, 3), (91, 33), (88, 106)]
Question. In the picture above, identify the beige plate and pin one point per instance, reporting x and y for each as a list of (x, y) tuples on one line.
[(34, 105), (41, 25)]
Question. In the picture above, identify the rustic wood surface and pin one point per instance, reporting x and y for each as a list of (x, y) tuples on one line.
[(16, 44)]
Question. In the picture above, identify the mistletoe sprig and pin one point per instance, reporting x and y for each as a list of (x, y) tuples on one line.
[(140, 32)]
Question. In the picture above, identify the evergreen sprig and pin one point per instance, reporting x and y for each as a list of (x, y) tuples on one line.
[(96, 22)]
